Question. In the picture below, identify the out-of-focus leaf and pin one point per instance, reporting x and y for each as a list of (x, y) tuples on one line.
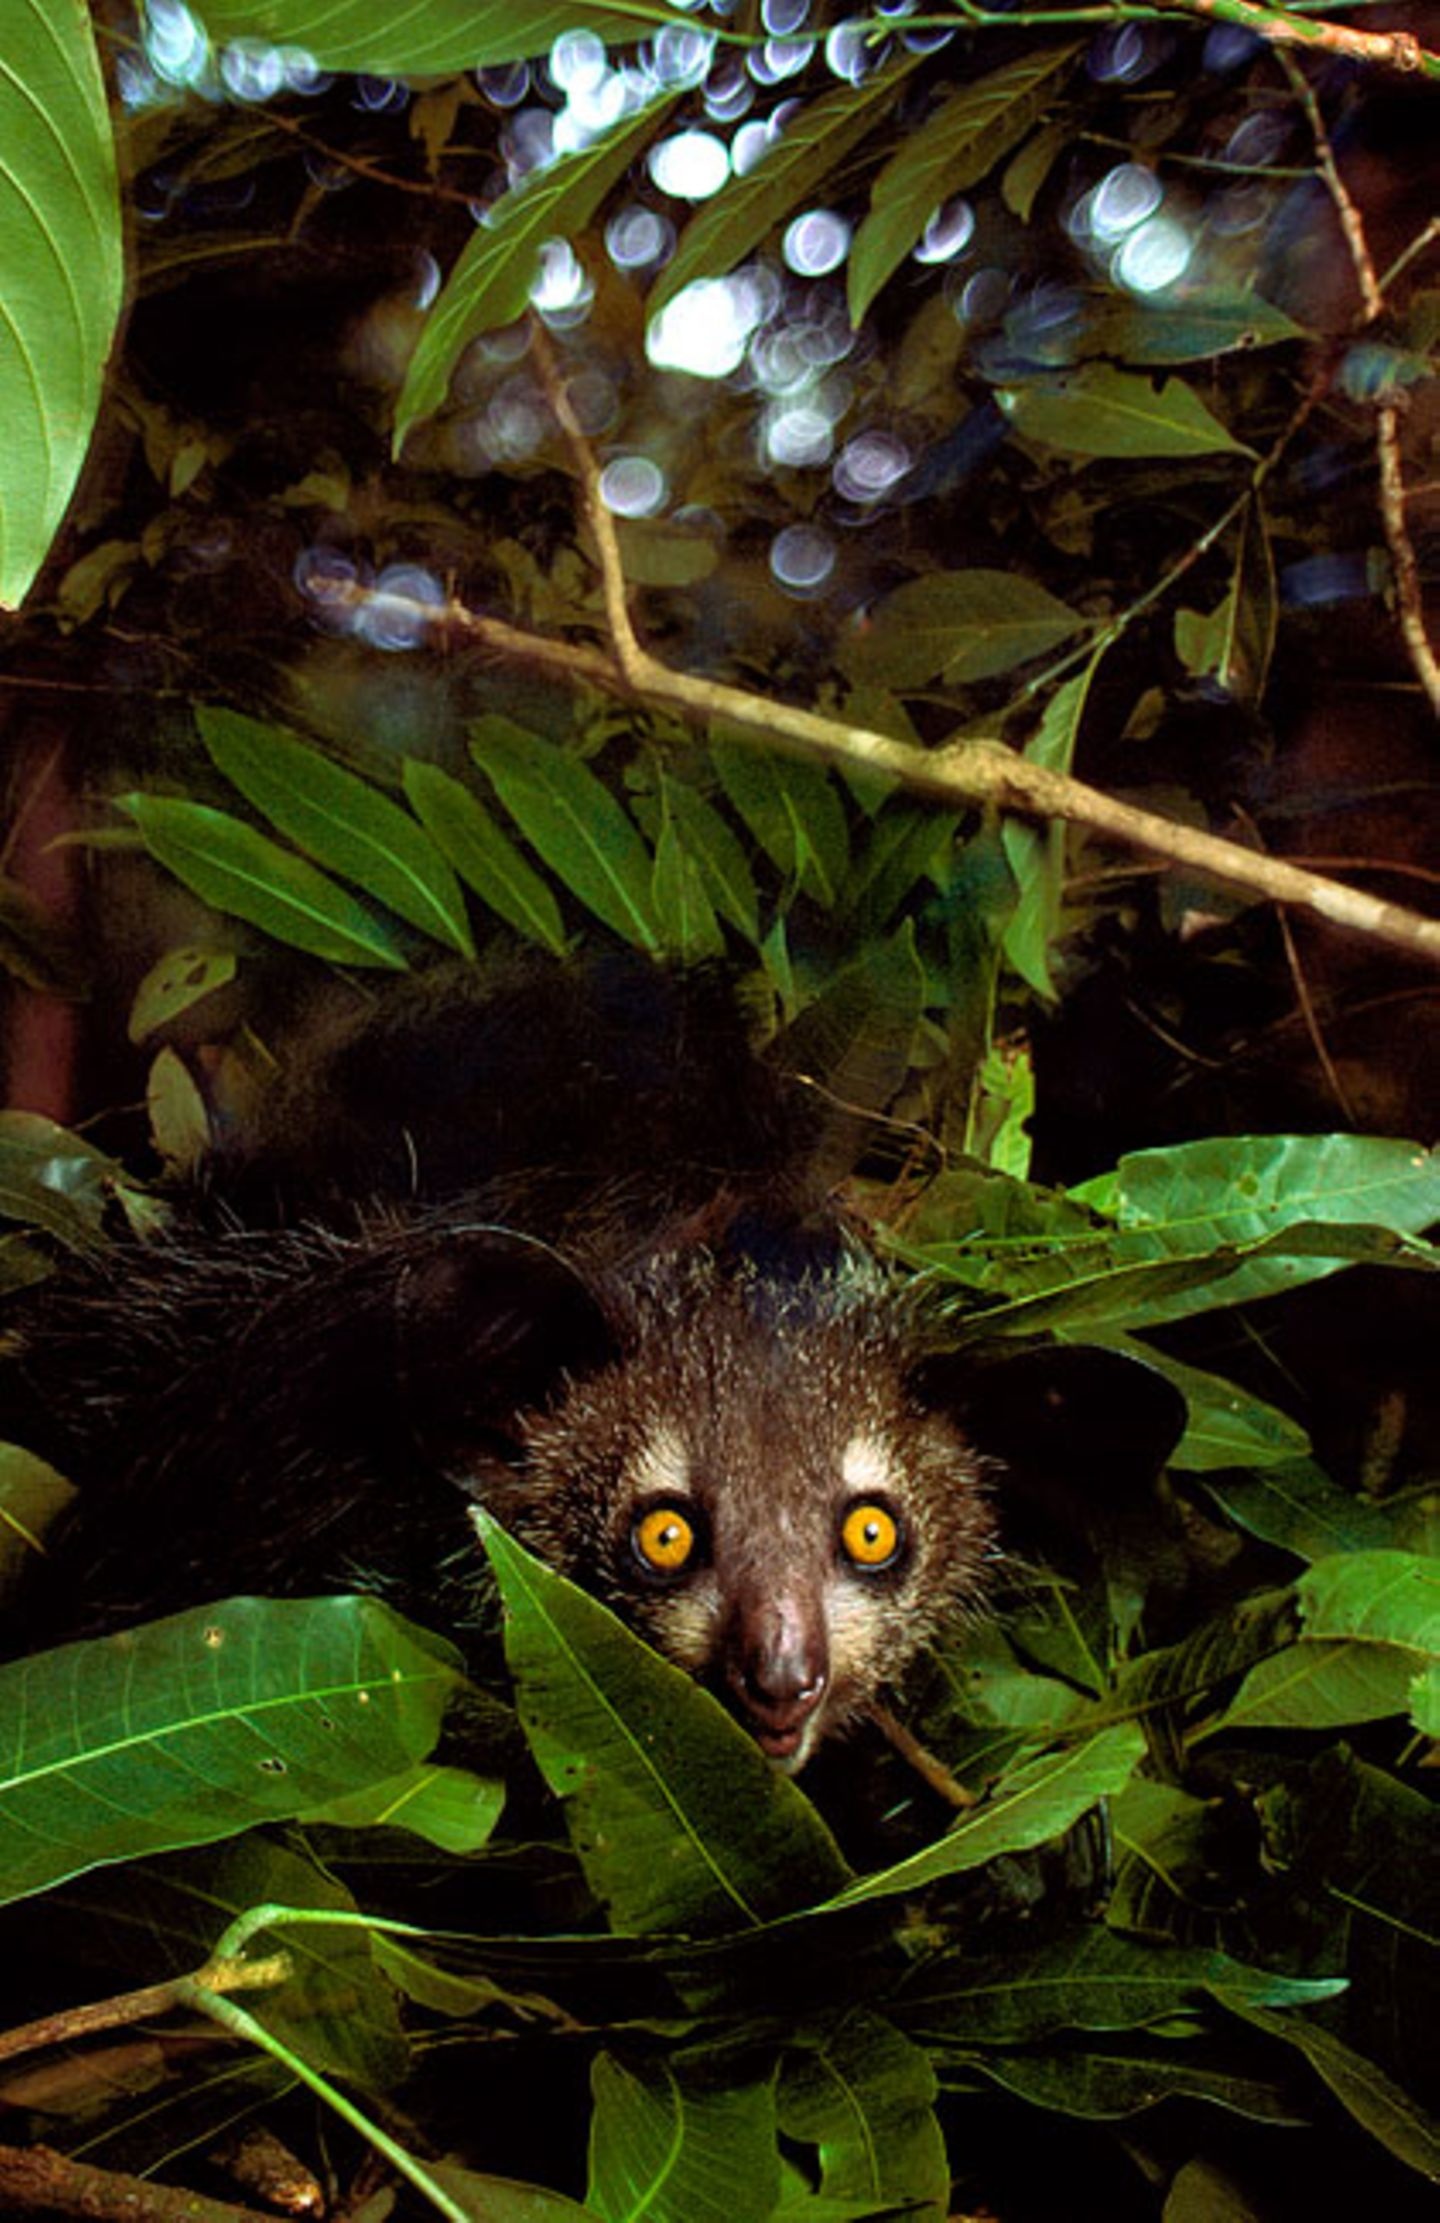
[(437, 40), (175, 1108), (864, 2095), (679, 1819), (61, 272), (1194, 332), (808, 150), (340, 821), (32, 1498), (680, 2150), (237, 869), (973, 127), (199, 1726), (1038, 1802), (964, 625), (574, 823), (491, 281), (176, 982), (485, 858), (1100, 411)]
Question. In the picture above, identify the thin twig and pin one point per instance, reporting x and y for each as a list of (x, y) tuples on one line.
[(921, 1759), (1409, 598), (1305, 1000), (970, 772)]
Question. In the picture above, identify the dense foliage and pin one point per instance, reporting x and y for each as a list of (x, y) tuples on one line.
[(1041, 376)]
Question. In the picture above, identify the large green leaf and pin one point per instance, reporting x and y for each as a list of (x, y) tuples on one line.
[(491, 281), (967, 135), (486, 860), (32, 1498), (864, 2095), (964, 625), (195, 1727), (1226, 1425), (713, 849), (1297, 1506), (1039, 1801), (1191, 331), (61, 270), (1102, 2079), (574, 823), (340, 821), (675, 2149), (1242, 1189), (1101, 411), (1094, 1979), (806, 155), (237, 869), (679, 1819), (436, 39)]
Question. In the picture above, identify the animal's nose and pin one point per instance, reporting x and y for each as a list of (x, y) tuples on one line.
[(778, 1666)]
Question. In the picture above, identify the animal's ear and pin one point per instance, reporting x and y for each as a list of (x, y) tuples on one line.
[(488, 1325)]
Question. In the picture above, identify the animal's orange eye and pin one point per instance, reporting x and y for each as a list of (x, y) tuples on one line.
[(870, 1536), (664, 1539)]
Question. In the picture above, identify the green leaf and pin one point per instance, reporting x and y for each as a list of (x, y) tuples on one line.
[(1242, 1189), (806, 156), (1100, 411), (974, 126), (1094, 1980), (965, 625), (1110, 2078), (340, 821), (54, 1180), (676, 2149), (448, 1807), (1036, 854), (864, 2095), (680, 1821), (1370, 1645), (175, 983), (442, 38), (198, 1726), (486, 860), (492, 277), (688, 924), (574, 823), (1227, 1426), (1234, 644), (1399, 2122), (1039, 1801), (1298, 1507), (236, 869), (794, 812), (61, 272), (33, 1497), (858, 1035), (1192, 331), (715, 852)]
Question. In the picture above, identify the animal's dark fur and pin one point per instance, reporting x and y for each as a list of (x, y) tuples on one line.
[(295, 1406)]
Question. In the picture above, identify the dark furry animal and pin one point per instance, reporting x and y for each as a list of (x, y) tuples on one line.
[(681, 1383)]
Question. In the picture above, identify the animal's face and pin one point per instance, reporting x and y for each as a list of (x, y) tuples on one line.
[(760, 1490)]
